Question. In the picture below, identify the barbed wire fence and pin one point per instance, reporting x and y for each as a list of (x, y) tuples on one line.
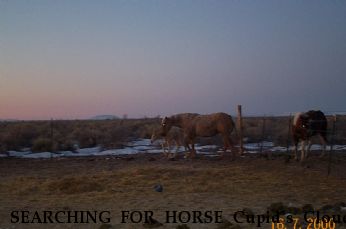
[(336, 131), (274, 134), (262, 133)]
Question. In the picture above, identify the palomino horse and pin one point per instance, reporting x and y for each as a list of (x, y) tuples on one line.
[(174, 136), (306, 125), (195, 125)]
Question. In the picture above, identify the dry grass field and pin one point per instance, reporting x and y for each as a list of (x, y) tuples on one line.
[(115, 184)]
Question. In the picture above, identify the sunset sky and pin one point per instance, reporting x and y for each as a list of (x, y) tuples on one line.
[(77, 59)]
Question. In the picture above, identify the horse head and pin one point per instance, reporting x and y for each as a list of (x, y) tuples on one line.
[(305, 121), (166, 124), (164, 121)]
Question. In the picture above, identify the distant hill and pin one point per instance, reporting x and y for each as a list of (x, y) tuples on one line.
[(104, 117), (8, 120)]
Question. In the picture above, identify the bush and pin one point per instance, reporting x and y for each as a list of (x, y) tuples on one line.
[(43, 145), (66, 145), (85, 137)]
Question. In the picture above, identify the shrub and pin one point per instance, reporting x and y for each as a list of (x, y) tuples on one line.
[(43, 145), (85, 137)]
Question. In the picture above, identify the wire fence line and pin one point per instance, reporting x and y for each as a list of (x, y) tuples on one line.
[(267, 132), (273, 134), (270, 131), (263, 133)]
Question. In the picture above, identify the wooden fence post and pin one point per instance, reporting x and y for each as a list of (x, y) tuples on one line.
[(240, 130), (263, 132), (51, 130), (289, 132), (331, 144), (51, 136)]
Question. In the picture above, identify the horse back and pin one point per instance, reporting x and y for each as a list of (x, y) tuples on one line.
[(212, 124), (184, 119), (317, 122), (306, 125)]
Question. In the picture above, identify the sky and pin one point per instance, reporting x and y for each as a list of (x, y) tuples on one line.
[(77, 59)]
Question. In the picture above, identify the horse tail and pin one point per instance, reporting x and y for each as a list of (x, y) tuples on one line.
[(235, 127)]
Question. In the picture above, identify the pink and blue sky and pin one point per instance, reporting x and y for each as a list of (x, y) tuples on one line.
[(77, 59)]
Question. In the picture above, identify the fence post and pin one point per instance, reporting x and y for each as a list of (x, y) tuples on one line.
[(51, 129), (289, 132), (51, 137), (240, 129), (331, 144), (263, 131)]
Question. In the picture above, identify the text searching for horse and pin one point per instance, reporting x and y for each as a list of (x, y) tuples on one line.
[(195, 125), (306, 125)]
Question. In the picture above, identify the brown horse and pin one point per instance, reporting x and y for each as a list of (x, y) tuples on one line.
[(195, 125), (307, 125)]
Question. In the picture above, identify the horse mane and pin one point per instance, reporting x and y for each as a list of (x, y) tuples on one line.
[(296, 118)]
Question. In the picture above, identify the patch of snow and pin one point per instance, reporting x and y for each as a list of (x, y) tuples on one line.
[(41, 155), (124, 151), (267, 144), (154, 151), (142, 148), (212, 155), (207, 147), (258, 145), (71, 154), (279, 149), (339, 147), (140, 142), (316, 147), (89, 151), (145, 146), (17, 153)]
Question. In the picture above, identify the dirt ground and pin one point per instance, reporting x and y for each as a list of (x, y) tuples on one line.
[(116, 184)]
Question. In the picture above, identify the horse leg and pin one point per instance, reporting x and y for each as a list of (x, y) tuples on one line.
[(169, 149), (164, 149), (324, 143), (226, 144), (296, 151), (227, 141), (308, 150), (188, 151), (296, 142), (182, 142), (193, 150), (303, 151), (177, 146)]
